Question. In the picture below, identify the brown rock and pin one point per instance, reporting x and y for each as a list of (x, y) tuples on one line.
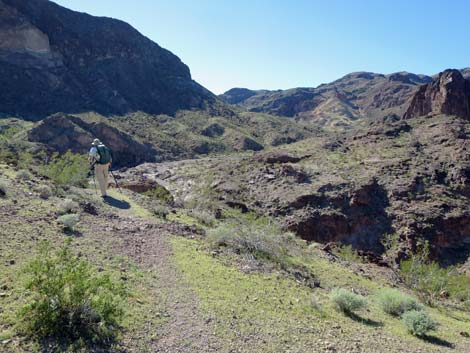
[(449, 94)]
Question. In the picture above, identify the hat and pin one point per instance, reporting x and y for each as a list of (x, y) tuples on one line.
[(96, 142)]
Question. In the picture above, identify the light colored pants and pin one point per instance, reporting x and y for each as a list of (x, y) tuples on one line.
[(101, 173)]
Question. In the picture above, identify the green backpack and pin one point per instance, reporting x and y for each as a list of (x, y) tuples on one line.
[(105, 154)]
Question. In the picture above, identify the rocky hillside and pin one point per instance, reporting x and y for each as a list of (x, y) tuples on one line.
[(354, 97), (56, 60), (384, 189)]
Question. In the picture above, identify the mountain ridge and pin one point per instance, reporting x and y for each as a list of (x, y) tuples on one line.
[(338, 104)]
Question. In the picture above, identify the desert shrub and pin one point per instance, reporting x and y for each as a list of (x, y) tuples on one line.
[(159, 210), (67, 169), (418, 323), (256, 240), (25, 159), (160, 193), (44, 191), (394, 302), (347, 301), (204, 217), (23, 174), (69, 299), (67, 206), (431, 281), (69, 221), (346, 252)]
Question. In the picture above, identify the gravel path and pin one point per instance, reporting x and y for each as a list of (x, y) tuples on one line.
[(147, 243)]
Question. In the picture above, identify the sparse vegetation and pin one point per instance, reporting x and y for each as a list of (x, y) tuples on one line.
[(256, 240), (346, 252), (67, 169), (204, 217), (347, 301), (394, 302), (69, 221), (159, 210), (68, 299), (431, 281), (160, 193), (23, 174), (67, 206), (44, 191), (418, 322)]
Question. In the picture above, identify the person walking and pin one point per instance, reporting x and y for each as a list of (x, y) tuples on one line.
[(100, 158)]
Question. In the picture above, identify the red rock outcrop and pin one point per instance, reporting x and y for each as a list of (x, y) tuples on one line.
[(448, 94)]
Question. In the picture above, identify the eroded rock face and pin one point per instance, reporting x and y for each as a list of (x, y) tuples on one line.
[(56, 60), (357, 217), (62, 133), (448, 94)]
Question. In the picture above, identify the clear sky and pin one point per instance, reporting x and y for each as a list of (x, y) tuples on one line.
[(278, 44)]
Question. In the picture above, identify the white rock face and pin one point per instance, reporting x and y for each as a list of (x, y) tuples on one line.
[(24, 38)]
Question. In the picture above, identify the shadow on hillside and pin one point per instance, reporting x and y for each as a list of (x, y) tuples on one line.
[(73, 233), (437, 341), (364, 321), (121, 204), (59, 344)]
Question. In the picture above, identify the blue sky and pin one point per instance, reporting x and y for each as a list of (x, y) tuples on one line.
[(278, 44)]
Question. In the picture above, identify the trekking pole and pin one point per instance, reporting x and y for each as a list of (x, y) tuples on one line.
[(115, 181), (92, 170), (94, 182)]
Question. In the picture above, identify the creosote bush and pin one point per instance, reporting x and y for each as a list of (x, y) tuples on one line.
[(44, 191), (418, 323), (394, 302), (23, 174), (68, 299), (69, 221), (256, 240), (431, 281), (159, 210), (347, 301), (204, 217), (68, 169), (346, 252), (160, 193)]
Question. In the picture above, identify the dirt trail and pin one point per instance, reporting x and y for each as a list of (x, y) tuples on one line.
[(147, 243)]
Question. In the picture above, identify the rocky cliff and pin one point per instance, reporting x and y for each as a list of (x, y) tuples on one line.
[(56, 60), (448, 94)]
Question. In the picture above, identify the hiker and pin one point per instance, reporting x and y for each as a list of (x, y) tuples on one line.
[(101, 159)]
